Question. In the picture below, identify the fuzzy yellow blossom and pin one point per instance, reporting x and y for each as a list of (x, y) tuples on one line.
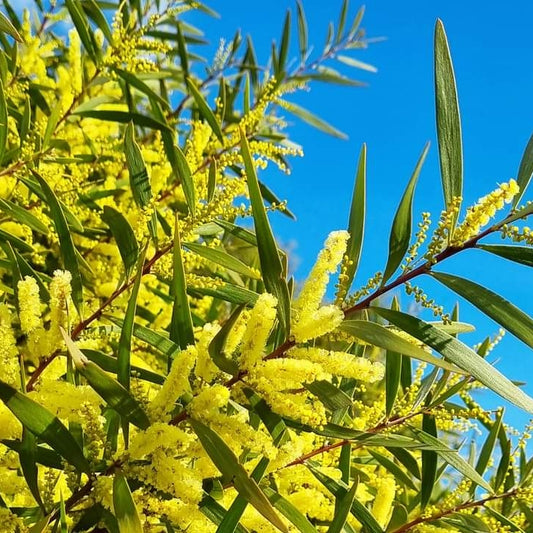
[(175, 385), (309, 320), (480, 214), (60, 291), (29, 305), (9, 363), (382, 506), (288, 373), (234, 338), (341, 363), (11, 523), (10, 427), (257, 330), (205, 368), (209, 400), (158, 436)]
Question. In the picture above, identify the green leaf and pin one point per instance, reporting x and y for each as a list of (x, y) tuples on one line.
[(23, 216), (345, 504), (452, 457), (448, 119), (28, 463), (285, 41), (66, 244), (355, 63), (356, 221), (271, 266), (124, 506), (302, 30), (134, 81), (116, 396), (400, 235), (524, 172), (216, 346), (177, 160), (82, 26), (7, 27), (378, 335), (228, 464), (492, 304), (429, 461), (237, 508), (51, 124), (44, 425), (289, 511), (123, 117), (339, 489), (313, 120), (109, 364), (222, 258), (139, 181), (212, 180), (460, 355), (215, 512), (205, 110), (332, 397), (181, 329), (518, 254), (394, 469), (3, 117), (124, 343), (489, 444), (17, 243), (124, 236), (228, 293)]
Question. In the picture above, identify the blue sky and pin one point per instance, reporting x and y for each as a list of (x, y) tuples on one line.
[(492, 52)]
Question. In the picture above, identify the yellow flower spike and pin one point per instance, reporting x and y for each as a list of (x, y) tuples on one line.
[(261, 320), (29, 305), (9, 363), (175, 385), (60, 291), (308, 321), (382, 506), (341, 363), (205, 368), (158, 436)]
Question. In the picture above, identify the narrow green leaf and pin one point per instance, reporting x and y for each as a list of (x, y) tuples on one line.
[(228, 464), (216, 346), (181, 328), (270, 196), (44, 425), (394, 469), (343, 510), (271, 266), (205, 110), (109, 364), (124, 344), (66, 245), (289, 511), (460, 355), (139, 181), (3, 117), (355, 63), (400, 235), (448, 119), (124, 236), (51, 124), (339, 489), (134, 81), (378, 335), (7, 27), (222, 258), (285, 41), (95, 13), (123, 117), (314, 120), (429, 436), (525, 171), (82, 26), (492, 304), (342, 21), (231, 519), (124, 506), (228, 293), (116, 396), (17, 243), (302, 30), (215, 512), (518, 254), (332, 397), (356, 222), (182, 50), (489, 444), (212, 180), (28, 463), (20, 214)]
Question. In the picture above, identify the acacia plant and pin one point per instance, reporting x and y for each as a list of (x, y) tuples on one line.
[(159, 370)]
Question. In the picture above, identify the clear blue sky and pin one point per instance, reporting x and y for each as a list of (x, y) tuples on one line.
[(492, 50)]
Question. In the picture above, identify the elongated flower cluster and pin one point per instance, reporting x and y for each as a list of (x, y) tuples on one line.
[(309, 319)]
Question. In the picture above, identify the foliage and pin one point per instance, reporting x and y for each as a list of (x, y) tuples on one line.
[(159, 370)]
